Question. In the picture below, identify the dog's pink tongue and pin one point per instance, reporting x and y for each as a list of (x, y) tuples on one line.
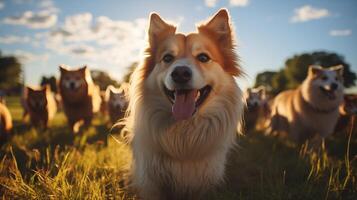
[(184, 105)]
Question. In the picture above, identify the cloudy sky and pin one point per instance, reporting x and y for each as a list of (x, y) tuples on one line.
[(109, 34)]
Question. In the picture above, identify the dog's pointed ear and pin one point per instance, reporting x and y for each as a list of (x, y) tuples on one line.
[(315, 70), (46, 87), (63, 68), (338, 69), (219, 25), (83, 70), (29, 89), (262, 91), (158, 28), (109, 90)]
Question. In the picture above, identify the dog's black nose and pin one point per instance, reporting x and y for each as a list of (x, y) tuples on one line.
[(334, 86), (181, 74), (71, 85)]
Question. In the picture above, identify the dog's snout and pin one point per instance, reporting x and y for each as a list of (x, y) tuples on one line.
[(71, 85), (334, 86), (181, 74)]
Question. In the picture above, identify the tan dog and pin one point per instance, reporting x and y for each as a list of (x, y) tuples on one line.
[(184, 109), (117, 102), (5, 122), (80, 96), (257, 109), (312, 109), (40, 105), (347, 110)]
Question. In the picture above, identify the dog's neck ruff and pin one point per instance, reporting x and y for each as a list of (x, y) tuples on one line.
[(316, 109)]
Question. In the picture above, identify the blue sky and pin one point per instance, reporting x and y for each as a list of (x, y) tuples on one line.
[(109, 34)]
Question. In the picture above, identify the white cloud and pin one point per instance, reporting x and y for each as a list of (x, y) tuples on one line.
[(343, 32), (307, 13), (2, 5), (11, 39), (27, 57), (238, 3), (35, 20), (98, 40), (210, 3), (48, 6)]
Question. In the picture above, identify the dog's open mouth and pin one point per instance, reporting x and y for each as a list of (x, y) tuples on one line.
[(329, 93), (185, 102)]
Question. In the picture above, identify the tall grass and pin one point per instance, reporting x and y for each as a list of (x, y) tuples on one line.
[(56, 164)]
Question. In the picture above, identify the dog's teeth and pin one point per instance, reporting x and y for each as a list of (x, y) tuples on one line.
[(198, 95)]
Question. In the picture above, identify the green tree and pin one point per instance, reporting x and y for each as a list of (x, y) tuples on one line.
[(279, 82), (10, 73), (52, 81), (265, 79), (103, 79)]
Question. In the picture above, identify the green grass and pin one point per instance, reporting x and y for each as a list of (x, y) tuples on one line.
[(56, 164)]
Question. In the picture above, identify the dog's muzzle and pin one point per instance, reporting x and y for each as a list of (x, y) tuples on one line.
[(185, 102)]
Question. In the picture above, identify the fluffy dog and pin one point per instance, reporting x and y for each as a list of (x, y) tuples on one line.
[(184, 109), (310, 111), (117, 102), (257, 109), (40, 105), (5, 122), (80, 96)]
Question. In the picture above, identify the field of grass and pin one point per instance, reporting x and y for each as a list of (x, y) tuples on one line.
[(56, 164)]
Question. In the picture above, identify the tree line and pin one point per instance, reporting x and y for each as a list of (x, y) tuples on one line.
[(288, 77)]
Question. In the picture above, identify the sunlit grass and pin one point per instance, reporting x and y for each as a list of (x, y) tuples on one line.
[(57, 164)]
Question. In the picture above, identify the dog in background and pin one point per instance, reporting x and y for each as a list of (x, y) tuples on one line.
[(40, 105), (117, 103), (5, 121), (348, 109), (256, 110), (184, 109), (311, 110), (80, 96)]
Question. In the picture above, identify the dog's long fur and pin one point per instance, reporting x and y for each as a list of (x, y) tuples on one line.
[(80, 104), (5, 121), (41, 105), (182, 159), (306, 112)]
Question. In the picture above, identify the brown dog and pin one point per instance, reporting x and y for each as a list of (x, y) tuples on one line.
[(5, 122), (257, 109), (348, 109), (80, 96), (310, 111), (116, 102), (184, 109), (40, 105)]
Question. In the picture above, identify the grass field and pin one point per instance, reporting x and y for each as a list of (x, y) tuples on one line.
[(56, 164)]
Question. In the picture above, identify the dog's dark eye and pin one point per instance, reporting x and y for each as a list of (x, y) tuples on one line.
[(202, 57), (324, 78), (168, 58)]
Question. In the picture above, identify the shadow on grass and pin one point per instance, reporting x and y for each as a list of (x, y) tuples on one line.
[(264, 167)]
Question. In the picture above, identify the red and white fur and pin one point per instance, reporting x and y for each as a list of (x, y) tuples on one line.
[(184, 108)]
